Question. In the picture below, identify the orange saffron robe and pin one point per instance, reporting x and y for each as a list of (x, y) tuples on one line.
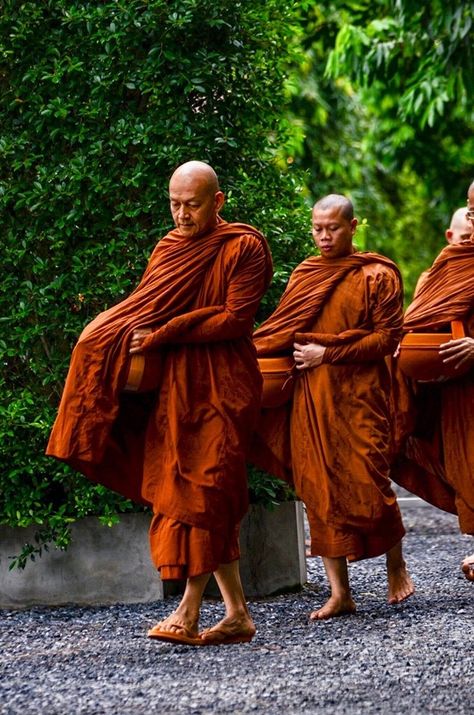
[(436, 459), (334, 440), (182, 449)]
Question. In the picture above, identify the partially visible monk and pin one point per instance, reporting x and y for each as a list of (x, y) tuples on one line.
[(459, 231), (182, 448), (340, 316), (436, 459)]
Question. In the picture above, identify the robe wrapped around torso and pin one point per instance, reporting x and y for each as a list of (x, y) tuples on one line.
[(333, 441), (436, 459), (180, 450)]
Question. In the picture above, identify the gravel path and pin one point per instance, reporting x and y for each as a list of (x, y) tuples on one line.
[(413, 658)]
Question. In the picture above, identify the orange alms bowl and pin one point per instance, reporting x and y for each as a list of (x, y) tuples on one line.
[(419, 356), (144, 372), (278, 380)]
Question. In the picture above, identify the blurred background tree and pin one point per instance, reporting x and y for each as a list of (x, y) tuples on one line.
[(381, 106)]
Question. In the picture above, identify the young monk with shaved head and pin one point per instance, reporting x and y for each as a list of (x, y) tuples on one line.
[(436, 459), (340, 315), (180, 449)]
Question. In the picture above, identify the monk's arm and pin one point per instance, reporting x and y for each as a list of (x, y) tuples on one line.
[(385, 306), (234, 319)]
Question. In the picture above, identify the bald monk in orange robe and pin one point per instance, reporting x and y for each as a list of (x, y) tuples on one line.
[(340, 315), (180, 449), (459, 231), (437, 457)]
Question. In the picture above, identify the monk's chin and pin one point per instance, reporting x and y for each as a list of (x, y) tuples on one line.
[(191, 232)]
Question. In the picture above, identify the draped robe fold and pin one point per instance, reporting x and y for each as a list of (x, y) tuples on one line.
[(436, 455), (181, 449), (333, 441)]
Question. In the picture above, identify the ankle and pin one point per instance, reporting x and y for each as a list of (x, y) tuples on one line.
[(187, 613)]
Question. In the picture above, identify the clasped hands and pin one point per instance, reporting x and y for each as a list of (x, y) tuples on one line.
[(308, 355)]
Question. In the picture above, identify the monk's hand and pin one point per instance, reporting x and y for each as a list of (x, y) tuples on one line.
[(138, 336), (309, 355), (459, 353)]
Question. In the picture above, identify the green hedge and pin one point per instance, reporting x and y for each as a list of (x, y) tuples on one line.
[(99, 102)]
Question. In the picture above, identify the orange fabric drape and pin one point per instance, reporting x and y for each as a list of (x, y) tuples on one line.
[(447, 291), (182, 551), (436, 456), (181, 450), (333, 441)]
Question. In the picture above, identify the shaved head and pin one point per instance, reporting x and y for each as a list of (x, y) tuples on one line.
[(460, 227), (338, 202), (459, 220), (197, 171), (195, 198)]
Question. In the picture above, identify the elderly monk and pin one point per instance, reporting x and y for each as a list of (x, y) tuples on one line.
[(180, 449), (341, 314), (436, 460)]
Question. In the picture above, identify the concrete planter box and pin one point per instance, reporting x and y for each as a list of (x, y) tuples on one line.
[(112, 565)]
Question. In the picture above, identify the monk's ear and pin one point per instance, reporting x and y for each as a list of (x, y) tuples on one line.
[(219, 201), (354, 223), (449, 235)]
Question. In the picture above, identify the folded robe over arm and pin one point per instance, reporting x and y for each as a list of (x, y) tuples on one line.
[(436, 455), (334, 440), (181, 450)]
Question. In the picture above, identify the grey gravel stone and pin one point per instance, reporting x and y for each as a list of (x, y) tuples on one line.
[(416, 657)]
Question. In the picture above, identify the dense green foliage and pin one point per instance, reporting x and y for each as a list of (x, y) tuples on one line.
[(99, 102), (382, 110)]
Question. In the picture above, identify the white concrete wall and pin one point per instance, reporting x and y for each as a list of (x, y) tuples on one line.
[(106, 565), (103, 565)]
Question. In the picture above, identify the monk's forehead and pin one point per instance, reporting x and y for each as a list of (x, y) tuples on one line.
[(328, 214), (191, 185)]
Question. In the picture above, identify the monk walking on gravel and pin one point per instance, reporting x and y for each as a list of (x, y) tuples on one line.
[(181, 448), (340, 316), (437, 456)]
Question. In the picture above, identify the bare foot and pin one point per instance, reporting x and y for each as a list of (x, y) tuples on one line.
[(230, 630), (467, 567), (175, 623), (400, 585), (334, 606)]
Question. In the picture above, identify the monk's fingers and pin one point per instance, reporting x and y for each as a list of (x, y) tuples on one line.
[(140, 333), (452, 347), (453, 353), (460, 357), (462, 361), (458, 345), (135, 346), (452, 360)]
